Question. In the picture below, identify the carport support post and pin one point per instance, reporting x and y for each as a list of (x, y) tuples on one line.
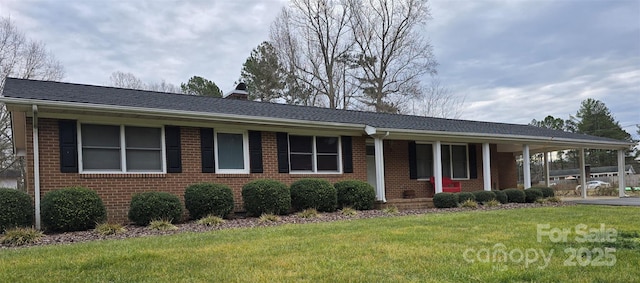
[(437, 166), (583, 175), (621, 185), (526, 166), (546, 169), (379, 156), (486, 166)]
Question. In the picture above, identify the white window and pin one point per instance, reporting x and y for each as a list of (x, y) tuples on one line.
[(232, 154), (455, 162), (119, 148), (314, 154)]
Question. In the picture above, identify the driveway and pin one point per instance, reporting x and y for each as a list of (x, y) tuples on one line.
[(629, 201)]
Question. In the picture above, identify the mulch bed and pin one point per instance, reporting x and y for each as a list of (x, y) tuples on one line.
[(251, 222)]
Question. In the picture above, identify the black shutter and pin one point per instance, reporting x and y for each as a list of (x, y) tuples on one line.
[(473, 164), (413, 163), (347, 154), (206, 150), (67, 133), (172, 142), (283, 152), (255, 151)]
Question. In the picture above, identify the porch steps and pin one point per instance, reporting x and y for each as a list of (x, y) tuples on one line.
[(407, 204)]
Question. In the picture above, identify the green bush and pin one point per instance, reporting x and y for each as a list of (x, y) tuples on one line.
[(149, 206), (355, 194), (531, 195), (515, 195), (463, 196), (445, 200), (72, 209), (546, 191), (501, 196), (208, 199), (16, 209), (266, 196), (313, 193), (484, 196)]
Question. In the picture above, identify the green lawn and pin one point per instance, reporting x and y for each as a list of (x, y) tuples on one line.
[(426, 248)]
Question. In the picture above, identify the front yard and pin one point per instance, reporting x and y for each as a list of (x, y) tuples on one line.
[(471, 246)]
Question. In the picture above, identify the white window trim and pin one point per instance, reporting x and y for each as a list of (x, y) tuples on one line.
[(123, 149), (450, 161), (314, 155), (245, 151)]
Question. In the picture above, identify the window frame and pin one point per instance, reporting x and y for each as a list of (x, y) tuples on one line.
[(123, 150), (450, 145), (314, 155), (245, 151)]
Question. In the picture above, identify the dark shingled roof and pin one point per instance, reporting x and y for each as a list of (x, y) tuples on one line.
[(100, 95)]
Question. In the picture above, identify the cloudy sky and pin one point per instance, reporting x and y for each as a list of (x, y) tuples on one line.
[(513, 60)]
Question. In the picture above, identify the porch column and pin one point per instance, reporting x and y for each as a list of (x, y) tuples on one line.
[(583, 175), (621, 173), (36, 166), (546, 169), (486, 166), (379, 156), (437, 166), (526, 166)]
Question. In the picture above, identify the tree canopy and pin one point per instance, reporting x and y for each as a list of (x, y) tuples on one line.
[(201, 86), (263, 74)]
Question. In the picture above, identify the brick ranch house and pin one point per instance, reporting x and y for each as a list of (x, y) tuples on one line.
[(120, 142)]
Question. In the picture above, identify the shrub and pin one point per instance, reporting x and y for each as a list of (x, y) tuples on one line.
[(162, 225), (208, 199), (308, 213), (269, 217), (484, 196), (445, 200), (72, 209), (515, 195), (149, 206), (390, 209), (20, 236), (531, 195), (348, 211), (469, 204), (109, 229), (313, 193), (554, 199), (356, 194), (463, 196), (501, 196), (210, 220), (492, 203), (546, 191), (266, 196), (16, 209)]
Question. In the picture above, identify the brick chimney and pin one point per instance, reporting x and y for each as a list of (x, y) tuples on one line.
[(240, 93)]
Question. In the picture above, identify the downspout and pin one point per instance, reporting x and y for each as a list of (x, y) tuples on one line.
[(36, 166)]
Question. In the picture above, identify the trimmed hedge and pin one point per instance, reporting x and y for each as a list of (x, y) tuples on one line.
[(484, 196), (532, 194), (72, 209), (463, 196), (16, 209), (515, 195), (313, 193), (208, 199), (266, 196), (149, 206), (355, 194), (546, 191), (501, 196), (445, 200)]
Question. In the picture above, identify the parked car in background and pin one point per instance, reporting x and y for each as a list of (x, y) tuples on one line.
[(595, 185)]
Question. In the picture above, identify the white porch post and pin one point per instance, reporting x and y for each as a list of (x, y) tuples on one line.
[(486, 166), (621, 185), (36, 166), (379, 156), (437, 166), (526, 166), (546, 169), (583, 175)]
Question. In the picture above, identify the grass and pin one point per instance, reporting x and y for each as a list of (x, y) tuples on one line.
[(424, 248), (162, 225), (20, 236), (269, 217), (211, 220), (109, 228), (308, 213)]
